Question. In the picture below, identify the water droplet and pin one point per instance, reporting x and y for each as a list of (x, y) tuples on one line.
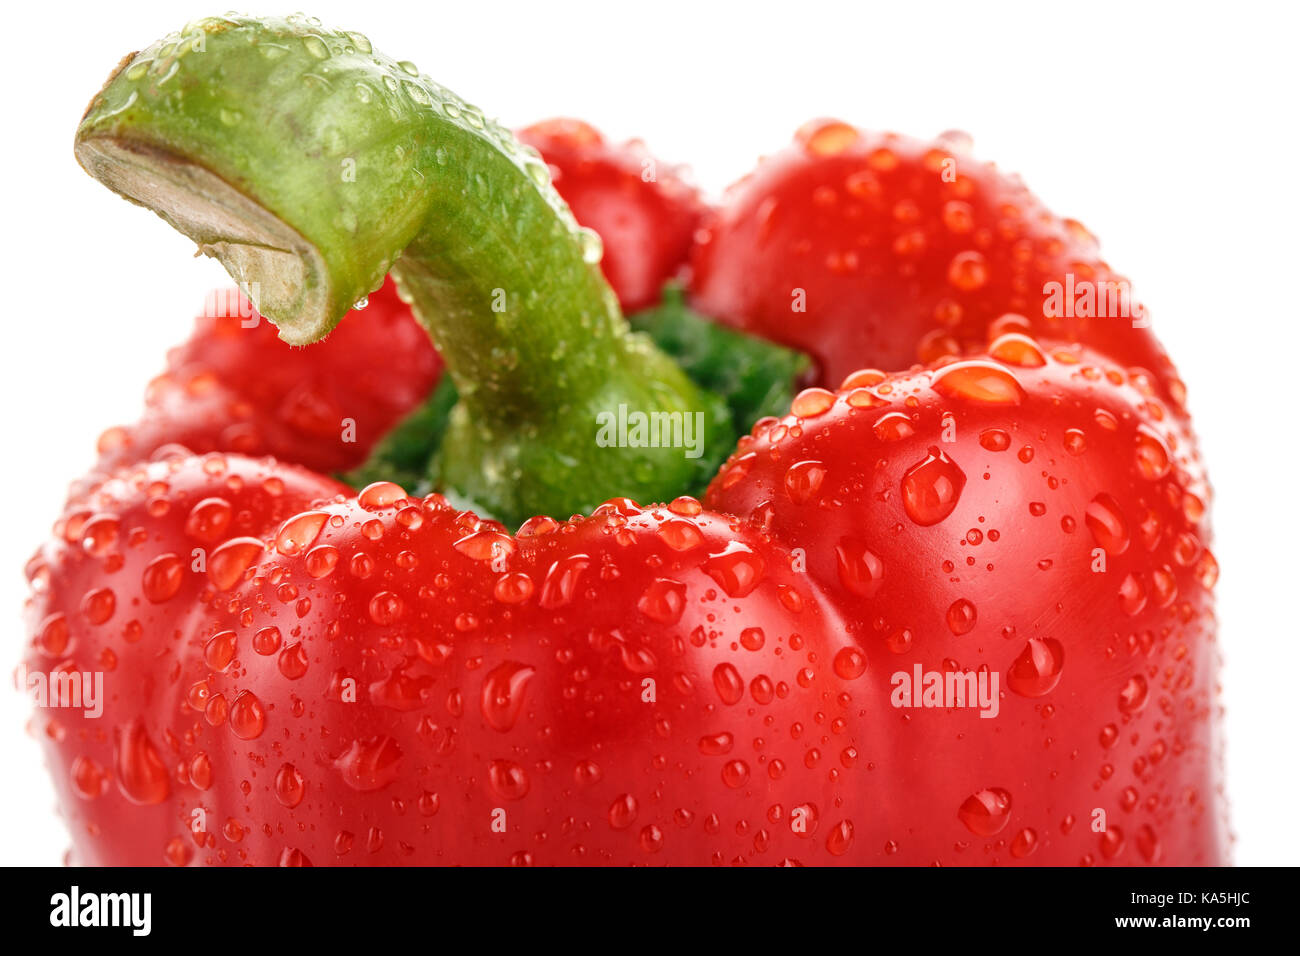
[(1148, 843), (859, 569), (686, 506), (321, 561), (209, 519), (227, 564), (292, 661), (899, 640), (1132, 595), (386, 608), (1207, 570), (1152, 455), (716, 745), (1024, 843), (622, 812), (99, 535), (882, 159), (1133, 695), (299, 532), (961, 616), (371, 763), (561, 583), (663, 601), (680, 534), (417, 93), (893, 426), (735, 774), (1111, 842), (380, 494), (290, 787), (995, 439), (502, 697), (968, 271), (1107, 524), (812, 402), (931, 488), (651, 839), (266, 641), (840, 839), (803, 480), (219, 650), (728, 683), (247, 717), (89, 780), (98, 605), (592, 247), (737, 569), (850, 663), (978, 382), (1015, 348), (986, 812), (827, 138), (141, 775), (162, 578), (1037, 669), (513, 588)]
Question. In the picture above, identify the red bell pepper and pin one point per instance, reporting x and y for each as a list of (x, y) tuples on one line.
[(857, 246), (297, 673)]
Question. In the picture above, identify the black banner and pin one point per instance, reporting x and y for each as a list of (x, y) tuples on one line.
[(334, 906)]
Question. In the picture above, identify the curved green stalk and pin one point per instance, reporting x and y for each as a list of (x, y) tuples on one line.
[(310, 166)]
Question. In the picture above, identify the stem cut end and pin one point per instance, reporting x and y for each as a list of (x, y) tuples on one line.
[(280, 271)]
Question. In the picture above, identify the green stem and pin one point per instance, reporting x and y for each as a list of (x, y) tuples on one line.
[(310, 166)]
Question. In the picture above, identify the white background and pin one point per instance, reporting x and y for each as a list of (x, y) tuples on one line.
[(1168, 129)]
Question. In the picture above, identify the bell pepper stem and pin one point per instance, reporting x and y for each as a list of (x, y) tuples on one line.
[(310, 166)]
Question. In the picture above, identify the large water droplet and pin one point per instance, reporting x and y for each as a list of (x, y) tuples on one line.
[(502, 698), (1152, 455), (162, 578), (370, 764), (298, 533), (986, 812), (850, 663), (141, 775), (978, 382), (227, 564), (728, 683), (803, 480), (859, 569), (289, 786), (932, 487), (737, 569), (663, 601), (209, 519), (561, 581), (247, 717), (1037, 669), (1107, 523), (1133, 695)]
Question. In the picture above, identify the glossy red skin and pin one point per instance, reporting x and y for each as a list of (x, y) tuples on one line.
[(867, 225), (145, 649), (234, 386), (415, 612), (1156, 769), (647, 224), (404, 775)]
